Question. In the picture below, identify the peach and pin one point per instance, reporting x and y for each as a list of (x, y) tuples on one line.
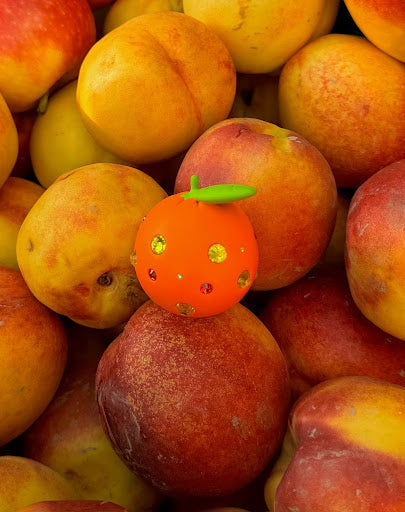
[(196, 406), (73, 506), (74, 245), (260, 36), (40, 41), (382, 22), (323, 335), (59, 140), (68, 436), (24, 121), (32, 355), (123, 10), (335, 252), (8, 141), (149, 88), (375, 249), (293, 212), (330, 93), (17, 196), (24, 481), (348, 449), (257, 97)]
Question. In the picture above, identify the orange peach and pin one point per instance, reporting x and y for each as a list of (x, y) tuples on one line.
[(17, 196), (69, 438), (382, 22), (292, 213), (150, 87), (330, 93), (24, 481), (196, 406), (39, 42), (375, 249), (323, 335), (74, 245), (32, 355), (348, 449)]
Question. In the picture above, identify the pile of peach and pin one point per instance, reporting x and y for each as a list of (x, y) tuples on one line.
[(291, 400)]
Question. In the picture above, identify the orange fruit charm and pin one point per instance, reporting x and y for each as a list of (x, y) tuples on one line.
[(196, 253)]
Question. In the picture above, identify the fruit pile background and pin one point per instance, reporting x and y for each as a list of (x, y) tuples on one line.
[(289, 399)]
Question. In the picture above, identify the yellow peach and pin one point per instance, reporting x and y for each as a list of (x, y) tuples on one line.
[(17, 196), (123, 10), (59, 140), (24, 481), (74, 246), (261, 36), (8, 141)]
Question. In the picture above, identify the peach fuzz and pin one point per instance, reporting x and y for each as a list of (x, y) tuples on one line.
[(69, 438), (32, 355), (331, 94), (375, 249), (17, 196), (382, 22), (149, 88), (55, 37), (260, 36), (74, 246), (323, 335), (348, 449), (24, 481), (293, 212), (196, 406)]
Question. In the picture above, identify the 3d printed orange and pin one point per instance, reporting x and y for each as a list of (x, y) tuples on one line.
[(195, 252)]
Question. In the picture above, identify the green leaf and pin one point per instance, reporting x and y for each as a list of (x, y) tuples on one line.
[(218, 194)]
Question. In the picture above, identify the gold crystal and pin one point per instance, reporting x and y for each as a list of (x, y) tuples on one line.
[(217, 253), (132, 258), (184, 309), (158, 244), (243, 279)]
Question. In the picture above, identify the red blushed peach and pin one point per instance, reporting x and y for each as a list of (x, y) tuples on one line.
[(323, 335), (348, 449), (293, 212), (382, 22), (196, 406), (39, 42), (32, 355), (68, 437), (331, 94), (375, 249)]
